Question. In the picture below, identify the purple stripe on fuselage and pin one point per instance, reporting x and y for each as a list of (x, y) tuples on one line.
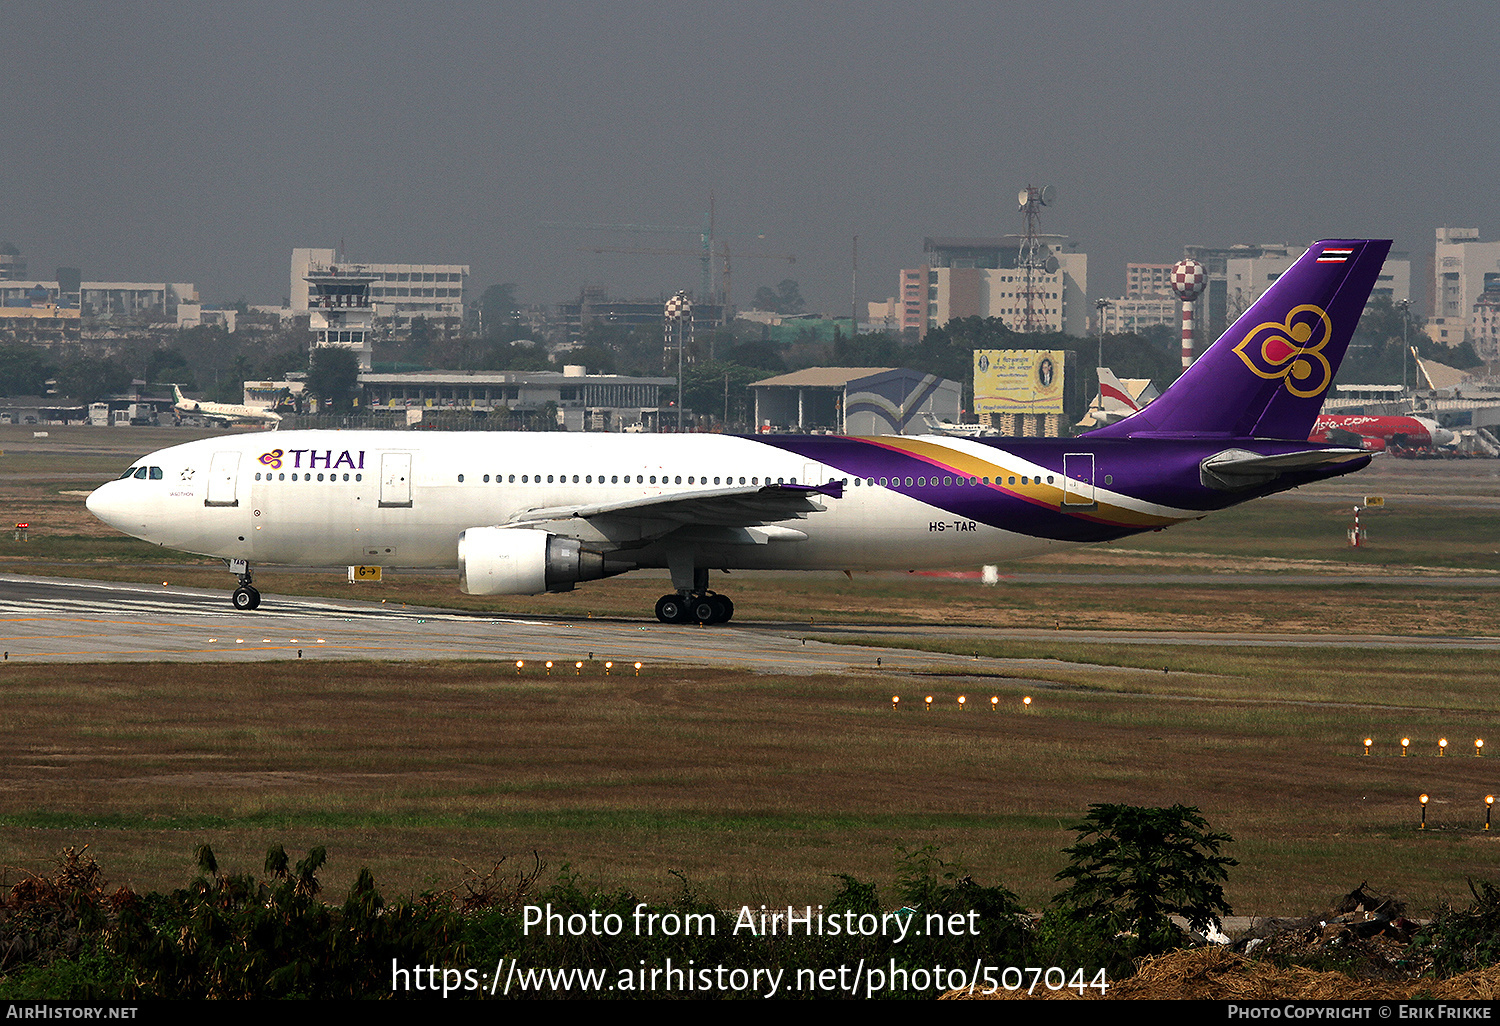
[(1163, 472)]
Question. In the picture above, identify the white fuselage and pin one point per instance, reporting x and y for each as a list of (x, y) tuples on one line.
[(327, 498)]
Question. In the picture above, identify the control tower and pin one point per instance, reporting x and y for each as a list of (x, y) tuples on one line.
[(339, 311)]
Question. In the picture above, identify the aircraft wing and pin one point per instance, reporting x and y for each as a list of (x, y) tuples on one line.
[(1234, 469), (748, 506)]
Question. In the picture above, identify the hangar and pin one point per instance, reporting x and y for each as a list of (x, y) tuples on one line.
[(855, 400)]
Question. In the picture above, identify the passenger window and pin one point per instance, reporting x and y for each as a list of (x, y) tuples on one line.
[(460, 478)]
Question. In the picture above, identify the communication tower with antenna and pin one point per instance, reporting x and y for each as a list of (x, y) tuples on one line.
[(1036, 259)]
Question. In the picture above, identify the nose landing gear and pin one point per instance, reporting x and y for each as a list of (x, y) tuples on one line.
[(245, 597)]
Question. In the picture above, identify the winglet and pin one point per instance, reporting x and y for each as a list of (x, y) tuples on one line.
[(1267, 375)]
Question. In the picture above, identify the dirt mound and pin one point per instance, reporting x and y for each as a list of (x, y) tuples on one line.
[(1218, 974)]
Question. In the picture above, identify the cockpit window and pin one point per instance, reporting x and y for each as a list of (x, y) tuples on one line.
[(129, 472), (156, 473), (140, 474)]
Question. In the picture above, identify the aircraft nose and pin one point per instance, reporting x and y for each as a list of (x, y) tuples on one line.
[(108, 504)]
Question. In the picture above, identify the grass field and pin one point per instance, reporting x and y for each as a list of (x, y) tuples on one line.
[(761, 788)]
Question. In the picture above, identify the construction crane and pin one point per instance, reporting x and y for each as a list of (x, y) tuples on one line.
[(704, 253), (726, 297)]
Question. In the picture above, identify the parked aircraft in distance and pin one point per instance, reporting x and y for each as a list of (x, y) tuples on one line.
[(947, 427), (224, 413), (1374, 434), (522, 514), (1114, 401)]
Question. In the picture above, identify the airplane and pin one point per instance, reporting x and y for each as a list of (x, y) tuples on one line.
[(1114, 401), (1374, 434), (523, 514), (224, 413), (947, 427)]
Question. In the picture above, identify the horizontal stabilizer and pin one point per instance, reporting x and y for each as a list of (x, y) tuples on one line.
[(1237, 469)]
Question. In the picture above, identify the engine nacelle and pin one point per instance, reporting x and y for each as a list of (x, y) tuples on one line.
[(518, 561)]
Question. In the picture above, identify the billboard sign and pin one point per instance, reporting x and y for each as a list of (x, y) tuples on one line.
[(1018, 381)]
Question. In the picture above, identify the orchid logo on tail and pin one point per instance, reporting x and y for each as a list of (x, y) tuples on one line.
[(1292, 350)]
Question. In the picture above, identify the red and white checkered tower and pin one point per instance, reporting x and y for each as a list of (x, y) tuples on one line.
[(1189, 279)]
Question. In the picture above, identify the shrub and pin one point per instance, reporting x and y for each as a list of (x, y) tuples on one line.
[(1132, 867)]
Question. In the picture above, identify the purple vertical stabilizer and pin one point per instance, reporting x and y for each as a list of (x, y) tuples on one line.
[(1266, 376)]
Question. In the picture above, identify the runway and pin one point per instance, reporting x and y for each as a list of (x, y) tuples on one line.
[(61, 620), (65, 620)]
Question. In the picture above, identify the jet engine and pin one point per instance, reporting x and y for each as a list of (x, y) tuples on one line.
[(519, 561)]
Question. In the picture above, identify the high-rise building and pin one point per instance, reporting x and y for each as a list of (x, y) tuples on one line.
[(12, 263), (980, 277), (1147, 281), (1237, 275), (1464, 269)]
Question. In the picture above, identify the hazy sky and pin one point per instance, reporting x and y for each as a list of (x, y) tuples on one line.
[(202, 141)]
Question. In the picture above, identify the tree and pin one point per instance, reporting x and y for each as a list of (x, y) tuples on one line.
[(1132, 867), (498, 307), (23, 369), (89, 378), (334, 376), (163, 364), (786, 298)]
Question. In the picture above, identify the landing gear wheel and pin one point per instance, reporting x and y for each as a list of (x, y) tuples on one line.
[(706, 610), (728, 608), (245, 598), (671, 609)]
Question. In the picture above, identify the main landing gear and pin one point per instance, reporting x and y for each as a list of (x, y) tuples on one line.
[(707, 607), (245, 597)]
